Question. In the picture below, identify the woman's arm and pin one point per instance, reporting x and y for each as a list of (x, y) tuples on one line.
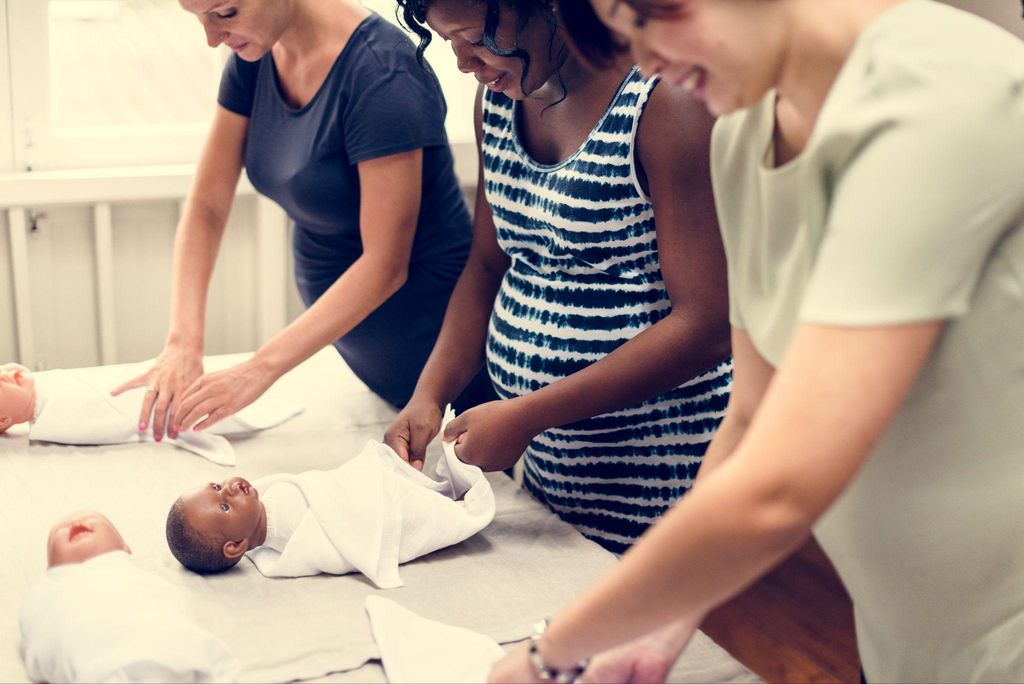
[(673, 149), (390, 190), (196, 244), (459, 351), (796, 458), (750, 377)]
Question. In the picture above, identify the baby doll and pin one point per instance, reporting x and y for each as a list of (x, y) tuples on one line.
[(75, 407), (369, 515), (95, 616)]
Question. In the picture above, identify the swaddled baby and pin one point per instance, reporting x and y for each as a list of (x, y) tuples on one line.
[(369, 515), (76, 407), (95, 616)]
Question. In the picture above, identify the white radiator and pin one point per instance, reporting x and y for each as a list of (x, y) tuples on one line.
[(70, 305)]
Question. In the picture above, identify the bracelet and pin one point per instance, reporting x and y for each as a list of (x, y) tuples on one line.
[(550, 674)]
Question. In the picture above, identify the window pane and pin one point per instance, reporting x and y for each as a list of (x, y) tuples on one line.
[(129, 62)]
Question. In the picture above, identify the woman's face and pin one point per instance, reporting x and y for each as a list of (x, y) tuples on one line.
[(461, 23), (720, 51), (249, 27)]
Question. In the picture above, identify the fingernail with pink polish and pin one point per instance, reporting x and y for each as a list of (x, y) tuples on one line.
[(142, 427), (159, 437)]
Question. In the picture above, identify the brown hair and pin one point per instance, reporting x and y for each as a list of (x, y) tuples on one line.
[(594, 42)]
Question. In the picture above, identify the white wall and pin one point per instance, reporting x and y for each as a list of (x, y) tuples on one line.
[(1006, 13)]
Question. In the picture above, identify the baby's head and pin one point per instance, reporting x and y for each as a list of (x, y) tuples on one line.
[(17, 395), (210, 528), (80, 536)]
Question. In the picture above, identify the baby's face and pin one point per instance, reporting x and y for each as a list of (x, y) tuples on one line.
[(80, 536), (231, 509), (17, 395)]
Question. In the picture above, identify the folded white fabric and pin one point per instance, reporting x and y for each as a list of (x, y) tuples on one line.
[(107, 620), (375, 512), (75, 407), (414, 649)]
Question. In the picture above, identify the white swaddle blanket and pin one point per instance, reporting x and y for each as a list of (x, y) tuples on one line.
[(416, 650), (375, 512), (107, 620), (75, 407)]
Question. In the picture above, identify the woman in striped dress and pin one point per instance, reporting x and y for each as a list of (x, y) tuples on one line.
[(595, 287)]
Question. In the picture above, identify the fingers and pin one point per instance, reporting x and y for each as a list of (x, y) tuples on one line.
[(213, 418), (194, 406), (455, 428), (139, 381), (146, 410), (421, 438), (147, 400), (399, 441), (161, 407)]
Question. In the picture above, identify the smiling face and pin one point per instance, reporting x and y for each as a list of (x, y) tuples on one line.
[(80, 536), (230, 511), (249, 27), (461, 24), (727, 53), (17, 395)]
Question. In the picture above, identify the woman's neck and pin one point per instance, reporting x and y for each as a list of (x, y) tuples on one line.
[(821, 35), (568, 74), (316, 25)]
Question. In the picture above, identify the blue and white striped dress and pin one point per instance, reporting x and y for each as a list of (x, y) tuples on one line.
[(584, 279)]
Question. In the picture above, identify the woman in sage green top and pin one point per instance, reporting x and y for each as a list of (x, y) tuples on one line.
[(869, 177)]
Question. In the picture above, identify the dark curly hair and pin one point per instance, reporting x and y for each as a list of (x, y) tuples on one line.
[(596, 43), (198, 553), (413, 15)]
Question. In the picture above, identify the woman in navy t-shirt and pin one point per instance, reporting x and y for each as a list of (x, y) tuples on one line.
[(328, 110)]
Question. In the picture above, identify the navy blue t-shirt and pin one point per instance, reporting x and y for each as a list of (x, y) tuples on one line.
[(376, 101)]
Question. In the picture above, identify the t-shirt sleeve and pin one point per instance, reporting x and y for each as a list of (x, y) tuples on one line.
[(238, 85), (924, 193), (392, 105)]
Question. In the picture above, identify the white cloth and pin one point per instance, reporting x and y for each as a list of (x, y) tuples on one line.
[(415, 649), (286, 507), (107, 620), (75, 407), (375, 512)]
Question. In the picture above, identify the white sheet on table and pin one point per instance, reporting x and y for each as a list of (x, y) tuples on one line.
[(106, 620), (414, 649), (524, 566), (77, 408), (376, 512)]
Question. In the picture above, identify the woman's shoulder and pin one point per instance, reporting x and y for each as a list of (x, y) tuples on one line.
[(673, 122), (922, 60), (382, 55), (378, 43)]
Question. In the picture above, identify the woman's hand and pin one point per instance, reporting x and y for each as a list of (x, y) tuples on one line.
[(492, 436), (221, 394), (174, 370), (647, 659), (514, 668), (413, 429)]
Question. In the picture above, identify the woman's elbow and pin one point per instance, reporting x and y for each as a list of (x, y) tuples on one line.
[(397, 276)]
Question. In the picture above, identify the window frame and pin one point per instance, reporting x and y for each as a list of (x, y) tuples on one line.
[(36, 145), (29, 143), (6, 114)]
